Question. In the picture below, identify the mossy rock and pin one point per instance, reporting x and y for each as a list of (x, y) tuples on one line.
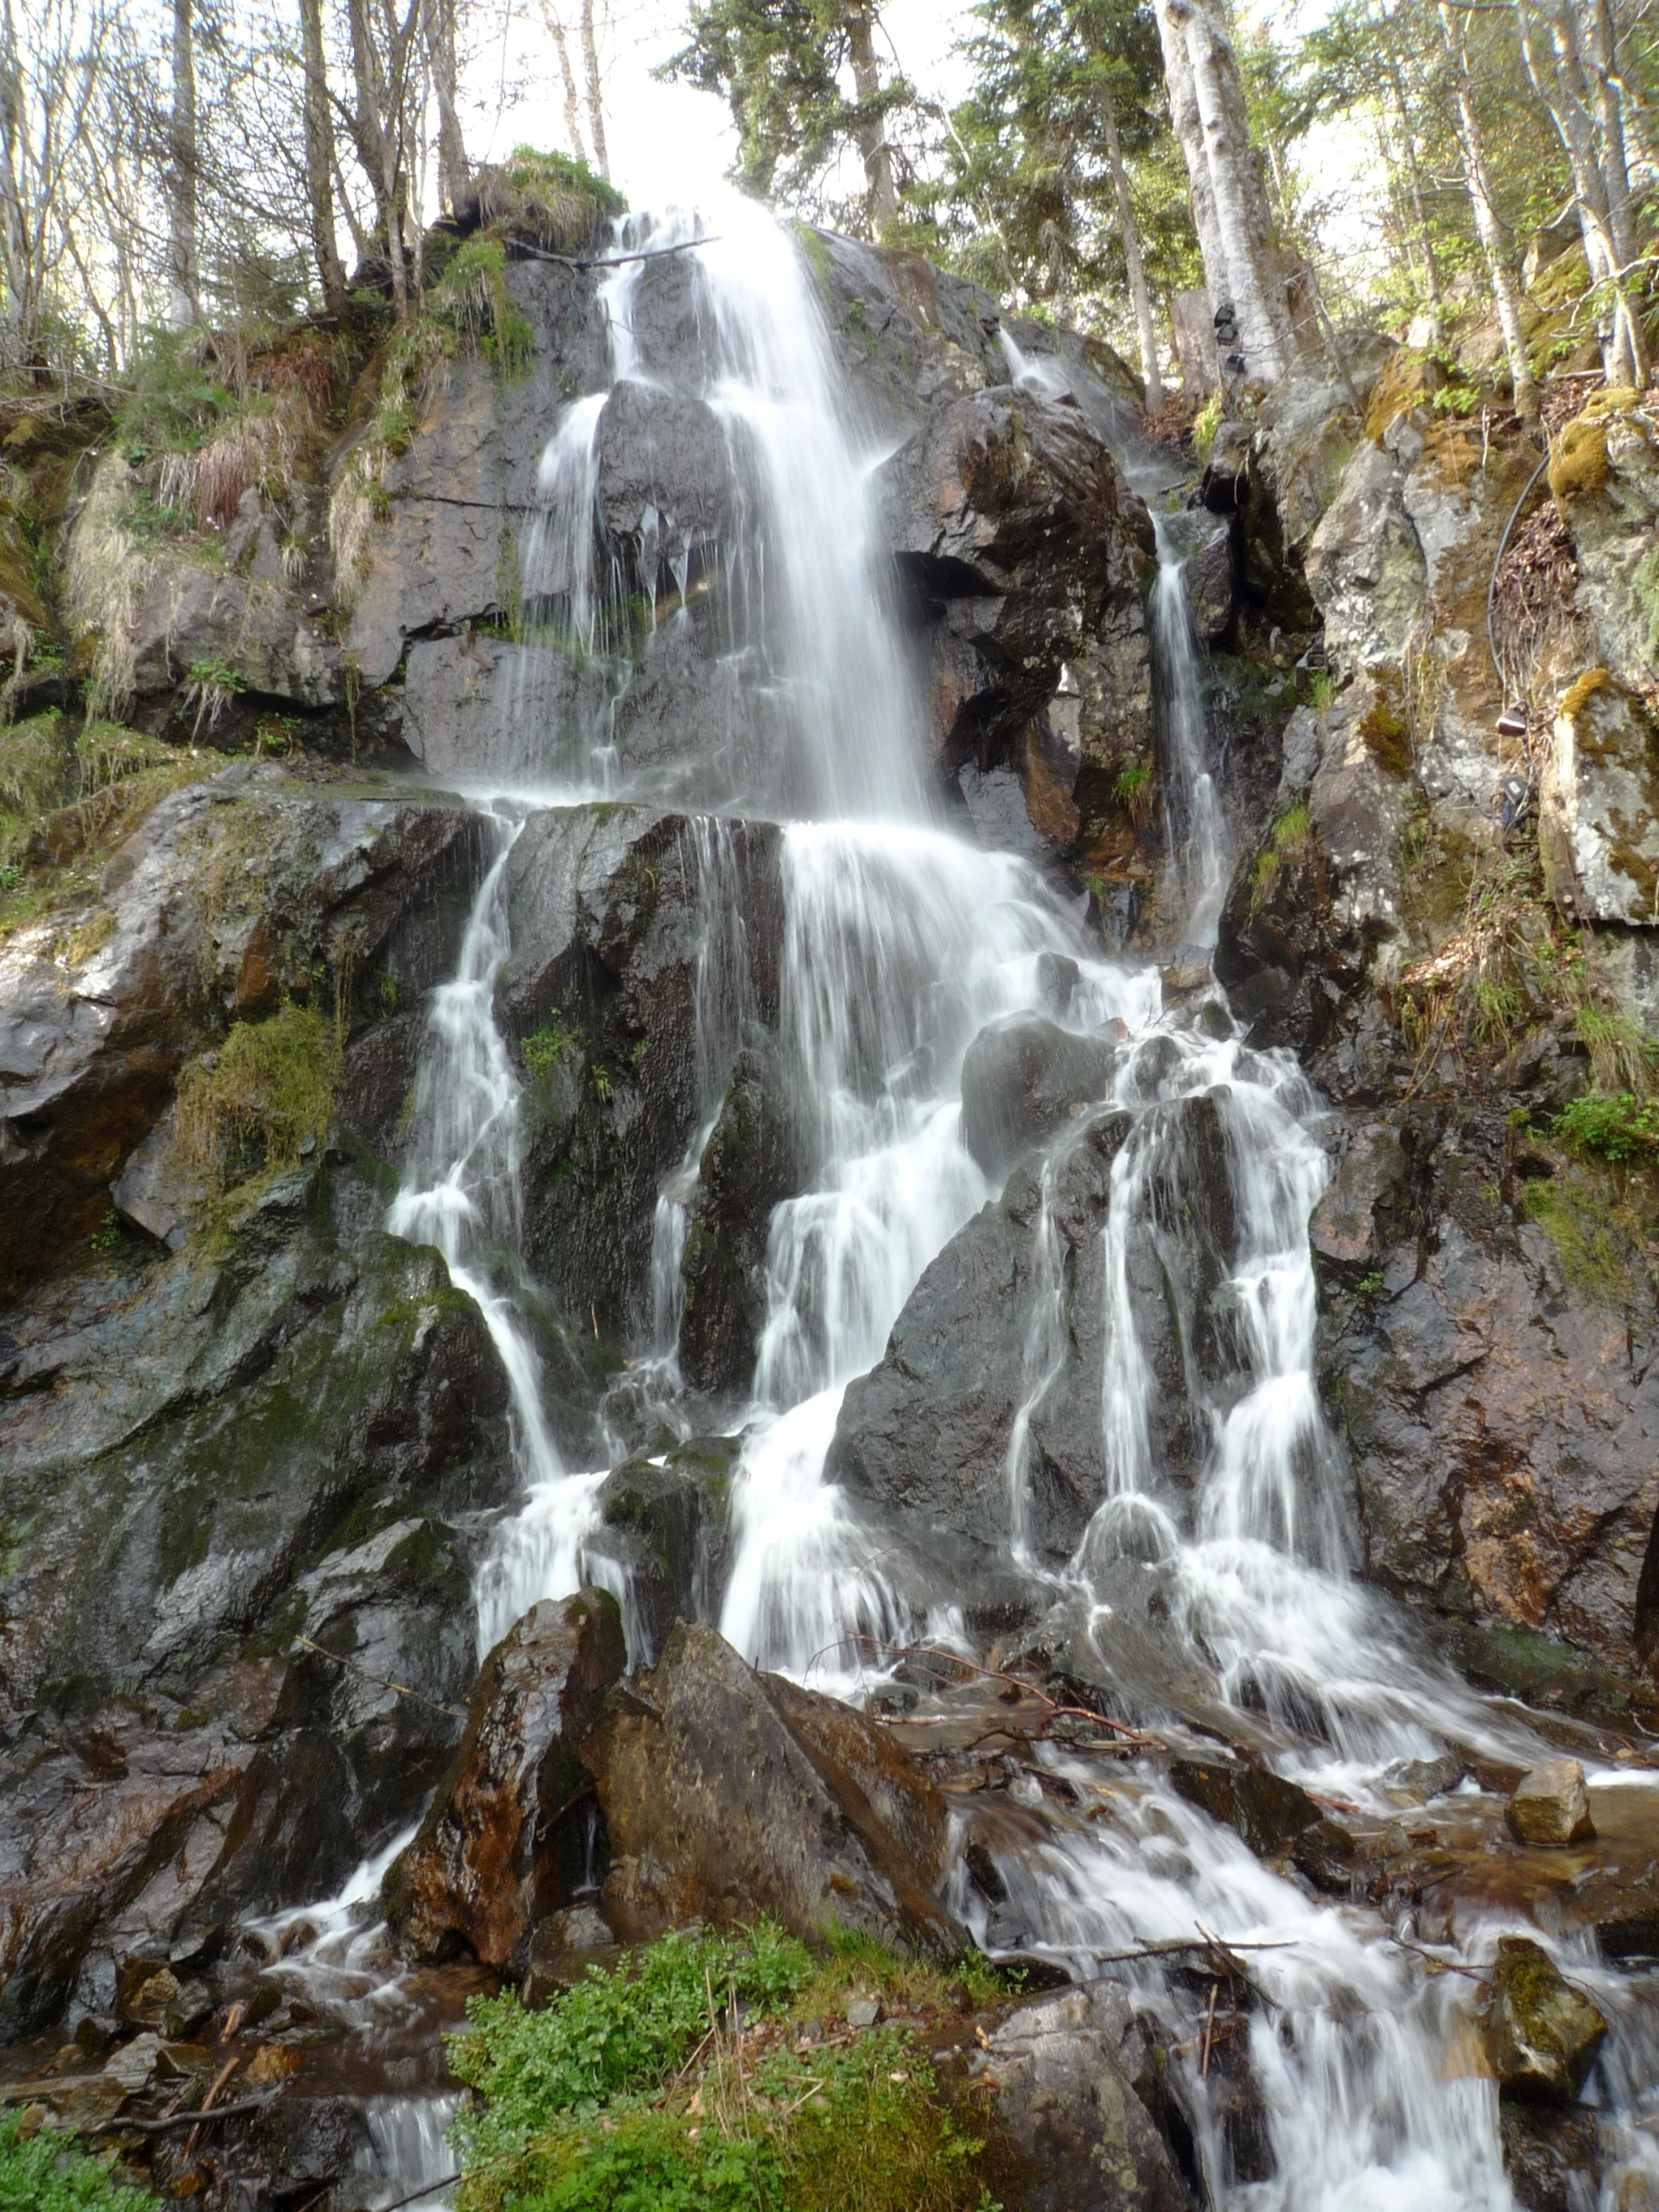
[(1542, 2033)]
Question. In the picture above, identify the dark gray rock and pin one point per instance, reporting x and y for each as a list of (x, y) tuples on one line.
[(668, 1527), (1553, 2156), (664, 471), (728, 1793), (1022, 1079), (312, 2141), (1061, 2073), (1268, 1812), (755, 1157)]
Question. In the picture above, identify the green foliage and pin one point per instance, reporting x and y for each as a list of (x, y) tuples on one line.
[(1613, 1126), (1290, 831), (545, 1047), (42, 2173), (1132, 788), (1028, 201), (601, 1081), (269, 1092), (472, 300), (613, 2032), (69, 790), (781, 67), (171, 402), (1321, 690), (1576, 1218), (634, 2090)]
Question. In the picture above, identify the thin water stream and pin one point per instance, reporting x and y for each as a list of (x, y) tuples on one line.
[(901, 941)]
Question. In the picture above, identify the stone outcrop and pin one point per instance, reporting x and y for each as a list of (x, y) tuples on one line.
[(1022, 1079), (1549, 1805), (1061, 2074), (754, 1158), (728, 1793), (487, 1862)]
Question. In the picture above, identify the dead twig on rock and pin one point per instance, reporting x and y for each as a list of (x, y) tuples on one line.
[(1054, 1710), (380, 1682)]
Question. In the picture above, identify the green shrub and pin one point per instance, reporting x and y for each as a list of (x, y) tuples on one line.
[(271, 1088), (1616, 1126), (171, 402), (634, 2092), (41, 2173), (473, 301), (545, 1047)]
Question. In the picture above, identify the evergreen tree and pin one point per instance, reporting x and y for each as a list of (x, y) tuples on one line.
[(802, 82)]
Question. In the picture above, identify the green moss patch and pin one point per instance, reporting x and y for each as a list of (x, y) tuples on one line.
[(262, 1100), (716, 2074)]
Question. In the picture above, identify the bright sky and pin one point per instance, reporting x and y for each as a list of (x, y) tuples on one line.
[(665, 140)]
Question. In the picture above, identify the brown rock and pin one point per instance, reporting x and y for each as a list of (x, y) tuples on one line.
[(473, 1875), (1550, 1805), (729, 1793)]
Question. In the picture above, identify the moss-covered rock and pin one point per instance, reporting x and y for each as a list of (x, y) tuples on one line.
[(1542, 2033)]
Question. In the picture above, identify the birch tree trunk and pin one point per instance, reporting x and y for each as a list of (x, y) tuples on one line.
[(1494, 237), (319, 126), (1140, 297), (1189, 135), (596, 101), (555, 31), (378, 133), (872, 136), (1242, 214), (183, 170), (440, 26), (1415, 179)]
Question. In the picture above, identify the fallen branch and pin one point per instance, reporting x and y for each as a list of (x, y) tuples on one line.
[(198, 2115), (608, 261), (1211, 1944), (380, 1682), (1057, 1711)]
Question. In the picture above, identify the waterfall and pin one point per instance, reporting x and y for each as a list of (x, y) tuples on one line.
[(900, 943)]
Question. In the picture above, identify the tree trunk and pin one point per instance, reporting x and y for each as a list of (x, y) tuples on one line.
[(872, 136), (1415, 179), (319, 159), (183, 170), (376, 149), (1241, 216), (1600, 48), (595, 99), (1494, 238), (555, 31), (1189, 133), (453, 181), (1138, 296)]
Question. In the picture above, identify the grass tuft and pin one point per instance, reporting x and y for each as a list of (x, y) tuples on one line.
[(252, 1108)]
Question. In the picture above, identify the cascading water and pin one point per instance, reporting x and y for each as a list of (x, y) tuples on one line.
[(901, 943)]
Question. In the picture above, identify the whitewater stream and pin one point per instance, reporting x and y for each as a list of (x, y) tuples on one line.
[(902, 940)]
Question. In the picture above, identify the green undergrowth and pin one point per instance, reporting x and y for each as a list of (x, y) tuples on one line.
[(545, 1047), (254, 1108), (1287, 841), (38, 2173), (69, 792), (714, 2072)]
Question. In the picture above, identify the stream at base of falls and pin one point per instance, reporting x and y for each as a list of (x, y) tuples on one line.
[(902, 942)]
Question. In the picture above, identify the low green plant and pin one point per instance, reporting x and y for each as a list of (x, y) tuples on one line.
[(1132, 789), (1206, 422), (696, 2077), (1616, 1126), (472, 300), (1321, 690), (41, 2172), (171, 402), (1575, 1217), (545, 1047), (253, 1107), (601, 1081), (209, 685)]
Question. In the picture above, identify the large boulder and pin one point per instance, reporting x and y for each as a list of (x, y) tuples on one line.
[(486, 1861), (234, 894), (753, 1158), (616, 913), (1022, 1078), (728, 1793), (1598, 806), (1061, 2074), (281, 1435)]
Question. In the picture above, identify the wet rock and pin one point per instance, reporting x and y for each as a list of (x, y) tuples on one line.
[(1058, 978), (208, 1768), (1351, 1225), (1551, 1806), (194, 611), (1209, 578), (925, 1433), (754, 1158), (160, 1189), (1022, 1079), (1022, 554), (1268, 1812), (312, 2141), (1062, 2073), (668, 1528), (1365, 564), (1552, 2158), (609, 908), (664, 473), (562, 1946), (234, 893), (728, 1793), (485, 1863), (1542, 2033)]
